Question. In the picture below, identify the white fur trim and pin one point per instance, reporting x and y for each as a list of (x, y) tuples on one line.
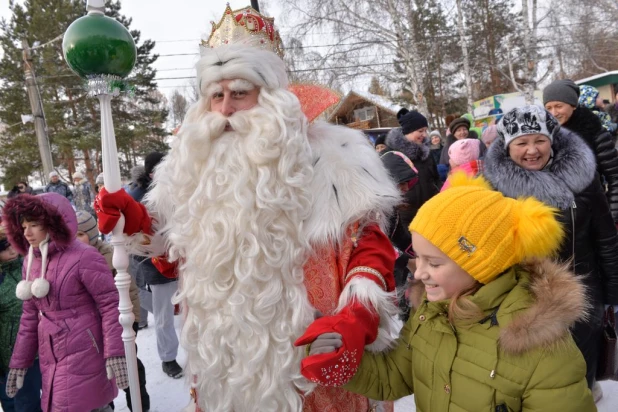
[(241, 85), (40, 287), (260, 67), (370, 294), (24, 290), (350, 183)]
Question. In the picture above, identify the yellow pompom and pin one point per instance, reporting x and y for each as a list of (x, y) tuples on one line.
[(537, 232), (461, 179)]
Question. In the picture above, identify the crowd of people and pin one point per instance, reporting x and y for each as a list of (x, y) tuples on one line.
[(316, 272)]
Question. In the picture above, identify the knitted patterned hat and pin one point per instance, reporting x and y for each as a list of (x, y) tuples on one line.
[(526, 120), (483, 231), (87, 224)]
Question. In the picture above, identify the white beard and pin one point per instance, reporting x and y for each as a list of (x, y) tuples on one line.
[(231, 205)]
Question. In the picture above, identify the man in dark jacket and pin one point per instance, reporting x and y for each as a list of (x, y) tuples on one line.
[(156, 290), (561, 99), (58, 186)]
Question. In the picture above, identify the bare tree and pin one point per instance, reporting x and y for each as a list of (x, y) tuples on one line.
[(363, 39), (178, 107), (466, 58)]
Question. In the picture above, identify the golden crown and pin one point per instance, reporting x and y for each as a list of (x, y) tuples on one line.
[(245, 26)]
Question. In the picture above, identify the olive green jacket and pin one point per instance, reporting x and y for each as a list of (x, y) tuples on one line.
[(519, 357)]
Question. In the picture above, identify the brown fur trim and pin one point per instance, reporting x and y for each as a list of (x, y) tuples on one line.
[(40, 209), (559, 301), (417, 291)]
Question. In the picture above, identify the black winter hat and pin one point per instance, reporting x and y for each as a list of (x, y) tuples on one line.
[(380, 140), (399, 166), (151, 161), (411, 120)]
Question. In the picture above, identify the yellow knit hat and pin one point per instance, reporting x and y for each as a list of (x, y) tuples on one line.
[(484, 232)]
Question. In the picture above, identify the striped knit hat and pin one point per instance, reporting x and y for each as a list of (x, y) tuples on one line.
[(87, 224)]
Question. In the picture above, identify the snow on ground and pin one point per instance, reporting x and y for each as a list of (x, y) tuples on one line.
[(172, 395)]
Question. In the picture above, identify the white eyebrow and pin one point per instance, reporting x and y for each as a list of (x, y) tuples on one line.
[(241, 85), (212, 89)]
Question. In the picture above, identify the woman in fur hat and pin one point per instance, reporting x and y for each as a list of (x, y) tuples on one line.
[(491, 328), (411, 139), (70, 309), (534, 156)]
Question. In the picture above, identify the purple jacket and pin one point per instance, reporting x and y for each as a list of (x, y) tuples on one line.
[(75, 327)]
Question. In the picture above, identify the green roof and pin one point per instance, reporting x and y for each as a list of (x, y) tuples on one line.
[(599, 80)]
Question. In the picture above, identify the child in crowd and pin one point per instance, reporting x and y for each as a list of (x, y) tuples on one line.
[(88, 233), (491, 328), (28, 399), (489, 135), (70, 309), (403, 173), (464, 157)]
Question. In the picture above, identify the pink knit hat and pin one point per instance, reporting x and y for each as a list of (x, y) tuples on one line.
[(464, 151)]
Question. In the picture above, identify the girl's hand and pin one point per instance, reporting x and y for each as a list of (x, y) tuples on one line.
[(325, 343)]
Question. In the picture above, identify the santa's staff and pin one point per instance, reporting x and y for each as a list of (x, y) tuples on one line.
[(255, 5), (102, 51)]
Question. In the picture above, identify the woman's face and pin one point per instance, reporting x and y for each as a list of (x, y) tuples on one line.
[(443, 278), (531, 151), (417, 136), (461, 133), (561, 111), (34, 232)]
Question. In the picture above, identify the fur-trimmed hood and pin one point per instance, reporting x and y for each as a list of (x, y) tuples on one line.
[(397, 141), (51, 209), (537, 303), (571, 170)]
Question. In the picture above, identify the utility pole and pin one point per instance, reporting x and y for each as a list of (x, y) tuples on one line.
[(37, 110), (255, 5)]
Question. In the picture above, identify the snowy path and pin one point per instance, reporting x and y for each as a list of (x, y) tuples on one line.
[(171, 395)]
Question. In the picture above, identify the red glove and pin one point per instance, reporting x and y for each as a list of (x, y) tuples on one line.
[(167, 269), (108, 207), (358, 326)]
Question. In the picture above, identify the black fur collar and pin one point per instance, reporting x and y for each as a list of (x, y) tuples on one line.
[(570, 172), (585, 123), (397, 141)]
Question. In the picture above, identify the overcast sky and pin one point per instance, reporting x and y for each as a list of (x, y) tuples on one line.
[(177, 27)]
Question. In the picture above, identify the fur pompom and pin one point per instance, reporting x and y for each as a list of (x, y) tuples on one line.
[(40, 287), (461, 179), (537, 234), (24, 290)]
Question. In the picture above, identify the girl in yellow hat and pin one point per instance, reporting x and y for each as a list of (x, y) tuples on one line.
[(491, 327)]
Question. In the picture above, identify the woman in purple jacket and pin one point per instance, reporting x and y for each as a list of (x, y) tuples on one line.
[(70, 311)]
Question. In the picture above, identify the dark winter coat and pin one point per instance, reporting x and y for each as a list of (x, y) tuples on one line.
[(450, 139), (520, 357), (142, 268), (569, 183), (84, 197), (61, 188), (612, 110), (10, 310), (75, 327), (586, 124), (428, 180)]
